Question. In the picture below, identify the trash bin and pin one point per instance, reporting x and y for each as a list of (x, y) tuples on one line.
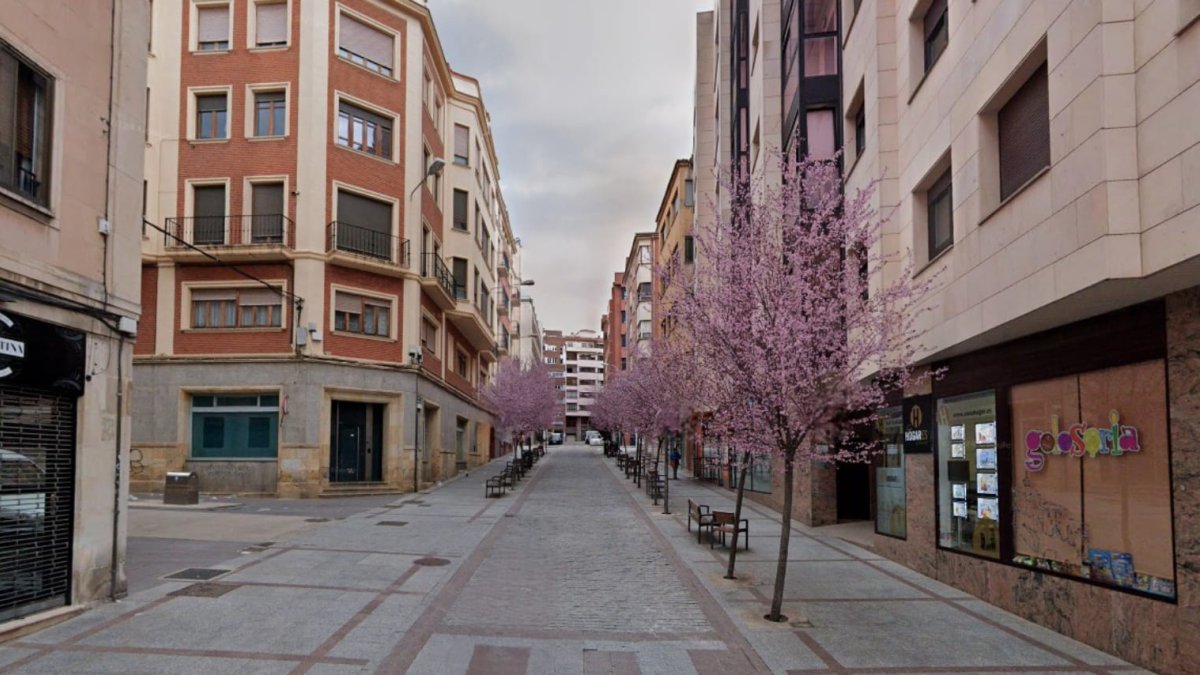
[(182, 487)]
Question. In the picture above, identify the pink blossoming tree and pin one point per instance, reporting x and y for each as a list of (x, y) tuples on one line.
[(523, 399), (797, 344)]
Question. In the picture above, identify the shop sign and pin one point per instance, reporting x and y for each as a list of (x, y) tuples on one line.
[(918, 424), (1114, 440), (38, 354)]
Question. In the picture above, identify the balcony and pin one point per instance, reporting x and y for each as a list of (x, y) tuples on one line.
[(438, 281), (259, 235), (472, 320), (370, 247)]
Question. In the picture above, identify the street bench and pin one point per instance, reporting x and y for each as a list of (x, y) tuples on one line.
[(723, 523), (699, 513), (654, 485), (494, 486)]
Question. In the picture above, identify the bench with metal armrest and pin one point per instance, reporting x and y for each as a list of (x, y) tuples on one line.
[(724, 523), (703, 517)]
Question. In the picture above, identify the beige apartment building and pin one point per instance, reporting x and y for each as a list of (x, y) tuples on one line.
[(1041, 160), (72, 97), (326, 268)]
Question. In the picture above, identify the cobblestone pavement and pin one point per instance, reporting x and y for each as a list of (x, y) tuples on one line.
[(574, 572)]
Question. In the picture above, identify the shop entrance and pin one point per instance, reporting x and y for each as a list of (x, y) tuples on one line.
[(853, 491), (37, 485), (356, 443)]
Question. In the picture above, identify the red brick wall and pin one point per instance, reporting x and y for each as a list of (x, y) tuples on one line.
[(148, 324), (350, 345), (239, 157), (232, 341), (355, 168)]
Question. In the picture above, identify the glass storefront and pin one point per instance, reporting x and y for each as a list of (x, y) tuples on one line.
[(891, 511), (968, 474)]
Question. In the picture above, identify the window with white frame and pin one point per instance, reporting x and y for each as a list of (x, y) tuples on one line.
[(429, 335), (353, 313), (270, 113), (462, 145), (236, 308), (365, 131), (212, 116), (365, 45), (212, 27), (270, 24)]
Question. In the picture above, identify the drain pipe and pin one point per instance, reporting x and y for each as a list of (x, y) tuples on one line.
[(112, 576)]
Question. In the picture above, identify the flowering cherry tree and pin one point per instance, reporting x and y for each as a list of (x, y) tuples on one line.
[(522, 398), (796, 344)]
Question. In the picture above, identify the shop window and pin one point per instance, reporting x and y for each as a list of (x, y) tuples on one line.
[(235, 427), (891, 504), (369, 47), (1091, 478), (25, 127), (968, 474)]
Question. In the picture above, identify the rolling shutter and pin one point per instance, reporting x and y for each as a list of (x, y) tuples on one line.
[(361, 39), (1024, 126), (212, 24), (271, 24)]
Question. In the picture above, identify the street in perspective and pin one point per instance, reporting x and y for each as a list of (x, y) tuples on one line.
[(796, 336)]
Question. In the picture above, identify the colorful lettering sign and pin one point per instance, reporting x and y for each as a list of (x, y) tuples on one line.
[(1114, 440)]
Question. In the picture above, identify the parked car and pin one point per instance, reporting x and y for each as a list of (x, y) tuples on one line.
[(22, 499), (556, 438), (593, 437)]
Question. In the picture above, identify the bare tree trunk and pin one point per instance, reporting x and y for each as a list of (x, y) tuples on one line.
[(657, 455), (737, 513), (667, 483), (785, 537)]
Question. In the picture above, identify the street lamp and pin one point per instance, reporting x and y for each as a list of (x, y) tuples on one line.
[(434, 169), (415, 357)]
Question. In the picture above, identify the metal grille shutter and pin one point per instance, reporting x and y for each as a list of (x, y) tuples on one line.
[(37, 488), (1024, 126)]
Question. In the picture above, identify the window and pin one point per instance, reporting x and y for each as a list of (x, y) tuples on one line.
[(1024, 134), (212, 116), (459, 267), (891, 503), (860, 131), (270, 112), (364, 225), (822, 143), (689, 250), (968, 474), (235, 426), (369, 47), (1091, 477), (689, 193), (266, 208), (461, 207), (462, 362), (365, 316), (429, 335), (643, 330), (212, 28), (644, 292), (937, 32), (237, 308), (25, 127), (623, 343), (820, 38), (462, 145), (208, 215), (644, 254), (940, 215), (622, 316), (270, 24), (365, 131)]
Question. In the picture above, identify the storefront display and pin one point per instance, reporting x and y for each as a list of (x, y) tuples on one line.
[(1094, 501), (968, 478), (891, 514)]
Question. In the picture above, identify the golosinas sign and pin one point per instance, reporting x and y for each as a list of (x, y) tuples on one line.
[(12, 347), (1114, 440)]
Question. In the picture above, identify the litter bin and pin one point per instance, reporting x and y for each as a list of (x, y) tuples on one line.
[(182, 487)]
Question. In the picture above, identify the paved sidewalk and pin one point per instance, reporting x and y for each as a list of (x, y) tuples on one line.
[(574, 572)]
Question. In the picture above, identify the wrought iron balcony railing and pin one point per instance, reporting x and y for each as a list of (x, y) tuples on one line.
[(272, 229), (368, 243), (433, 267)]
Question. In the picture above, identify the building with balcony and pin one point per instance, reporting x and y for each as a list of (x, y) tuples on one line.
[(676, 246), (578, 361), (1042, 161), (612, 325), (638, 284), (72, 118), (325, 265)]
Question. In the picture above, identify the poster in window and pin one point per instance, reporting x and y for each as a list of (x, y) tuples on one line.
[(958, 451), (987, 484), (988, 508), (985, 458), (960, 509), (960, 490), (985, 434), (958, 432)]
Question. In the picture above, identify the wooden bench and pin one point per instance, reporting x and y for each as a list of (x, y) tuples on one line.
[(723, 523), (494, 486), (700, 514)]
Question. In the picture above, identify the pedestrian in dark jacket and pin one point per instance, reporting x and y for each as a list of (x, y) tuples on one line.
[(675, 457)]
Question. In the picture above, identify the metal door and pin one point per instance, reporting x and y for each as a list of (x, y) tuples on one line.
[(37, 488)]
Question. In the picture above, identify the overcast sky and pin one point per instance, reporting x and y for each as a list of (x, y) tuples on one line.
[(591, 104)]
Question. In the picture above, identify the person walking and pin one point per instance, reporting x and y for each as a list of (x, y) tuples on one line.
[(675, 457)]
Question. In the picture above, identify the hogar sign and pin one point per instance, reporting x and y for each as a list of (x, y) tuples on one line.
[(1114, 440)]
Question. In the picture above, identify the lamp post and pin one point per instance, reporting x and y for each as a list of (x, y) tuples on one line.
[(434, 169), (415, 357)]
